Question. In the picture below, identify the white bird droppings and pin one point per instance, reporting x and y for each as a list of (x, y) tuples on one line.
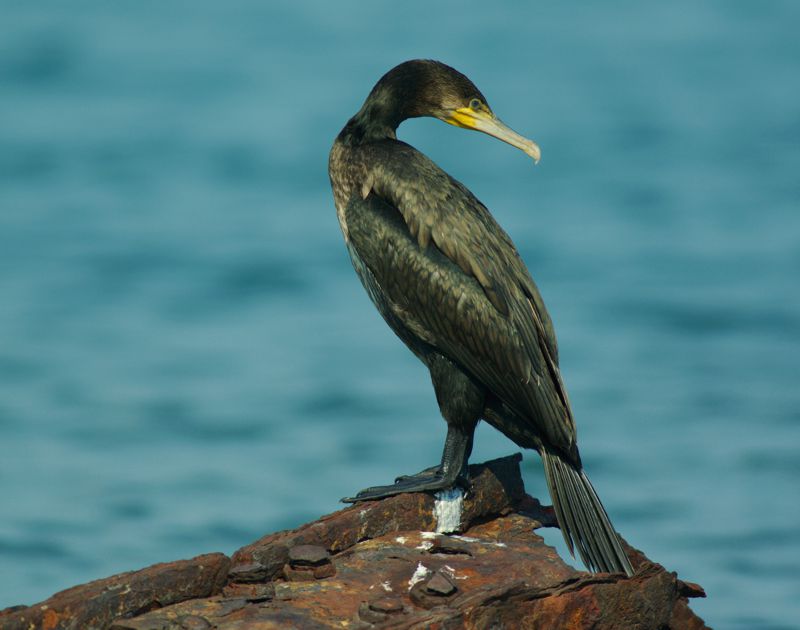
[(420, 574), (447, 510), (451, 573)]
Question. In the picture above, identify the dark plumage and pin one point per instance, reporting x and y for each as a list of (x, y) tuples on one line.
[(450, 283)]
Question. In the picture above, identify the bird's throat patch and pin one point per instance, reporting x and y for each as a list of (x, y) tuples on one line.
[(462, 117)]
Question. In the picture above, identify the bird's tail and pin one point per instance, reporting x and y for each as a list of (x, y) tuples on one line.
[(582, 518)]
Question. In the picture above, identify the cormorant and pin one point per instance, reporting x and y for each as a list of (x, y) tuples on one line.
[(450, 283)]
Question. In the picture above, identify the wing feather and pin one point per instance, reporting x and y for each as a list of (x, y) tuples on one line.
[(449, 274)]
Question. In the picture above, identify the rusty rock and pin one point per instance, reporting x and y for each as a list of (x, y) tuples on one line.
[(308, 562), (433, 592), (684, 619), (387, 605), (248, 573), (250, 592), (98, 603), (304, 573), (324, 571), (388, 570), (449, 545), (298, 574), (381, 610), (440, 585), (690, 589), (496, 488), (193, 622), (308, 555), (544, 514)]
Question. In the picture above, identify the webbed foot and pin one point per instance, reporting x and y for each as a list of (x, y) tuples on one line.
[(428, 480), (453, 471)]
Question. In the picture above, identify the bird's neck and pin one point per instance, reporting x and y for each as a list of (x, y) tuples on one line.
[(371, 124), (385, 108)]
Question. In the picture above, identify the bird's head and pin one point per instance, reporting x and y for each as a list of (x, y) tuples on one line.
[(423, 87)]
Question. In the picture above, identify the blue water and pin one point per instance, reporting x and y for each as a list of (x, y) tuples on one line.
[(187, 360)]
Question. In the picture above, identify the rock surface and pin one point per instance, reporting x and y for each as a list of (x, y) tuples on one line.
[(382, 564)]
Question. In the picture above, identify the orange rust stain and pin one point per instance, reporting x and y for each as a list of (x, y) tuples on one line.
[(50, 620)]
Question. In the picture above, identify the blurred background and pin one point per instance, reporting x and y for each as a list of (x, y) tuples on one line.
[(188, 361)]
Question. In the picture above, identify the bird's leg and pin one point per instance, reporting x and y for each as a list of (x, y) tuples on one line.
[(451, 472), (463, 475), (461, 402)]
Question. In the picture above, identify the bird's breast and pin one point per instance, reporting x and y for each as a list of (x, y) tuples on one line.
[(348, 177)]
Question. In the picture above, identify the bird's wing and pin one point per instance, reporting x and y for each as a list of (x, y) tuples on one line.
[(454, 279)]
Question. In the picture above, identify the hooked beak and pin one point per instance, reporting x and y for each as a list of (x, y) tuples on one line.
[(488, 123)]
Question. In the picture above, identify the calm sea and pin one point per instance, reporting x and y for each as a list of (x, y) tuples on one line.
[(187, 360)]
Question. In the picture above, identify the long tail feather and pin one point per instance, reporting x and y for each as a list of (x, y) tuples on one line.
[(582, 517)]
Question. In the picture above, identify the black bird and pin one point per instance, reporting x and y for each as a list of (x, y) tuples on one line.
[(450, 283)]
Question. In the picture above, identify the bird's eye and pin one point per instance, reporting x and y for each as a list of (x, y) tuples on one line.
[(475, 104)]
